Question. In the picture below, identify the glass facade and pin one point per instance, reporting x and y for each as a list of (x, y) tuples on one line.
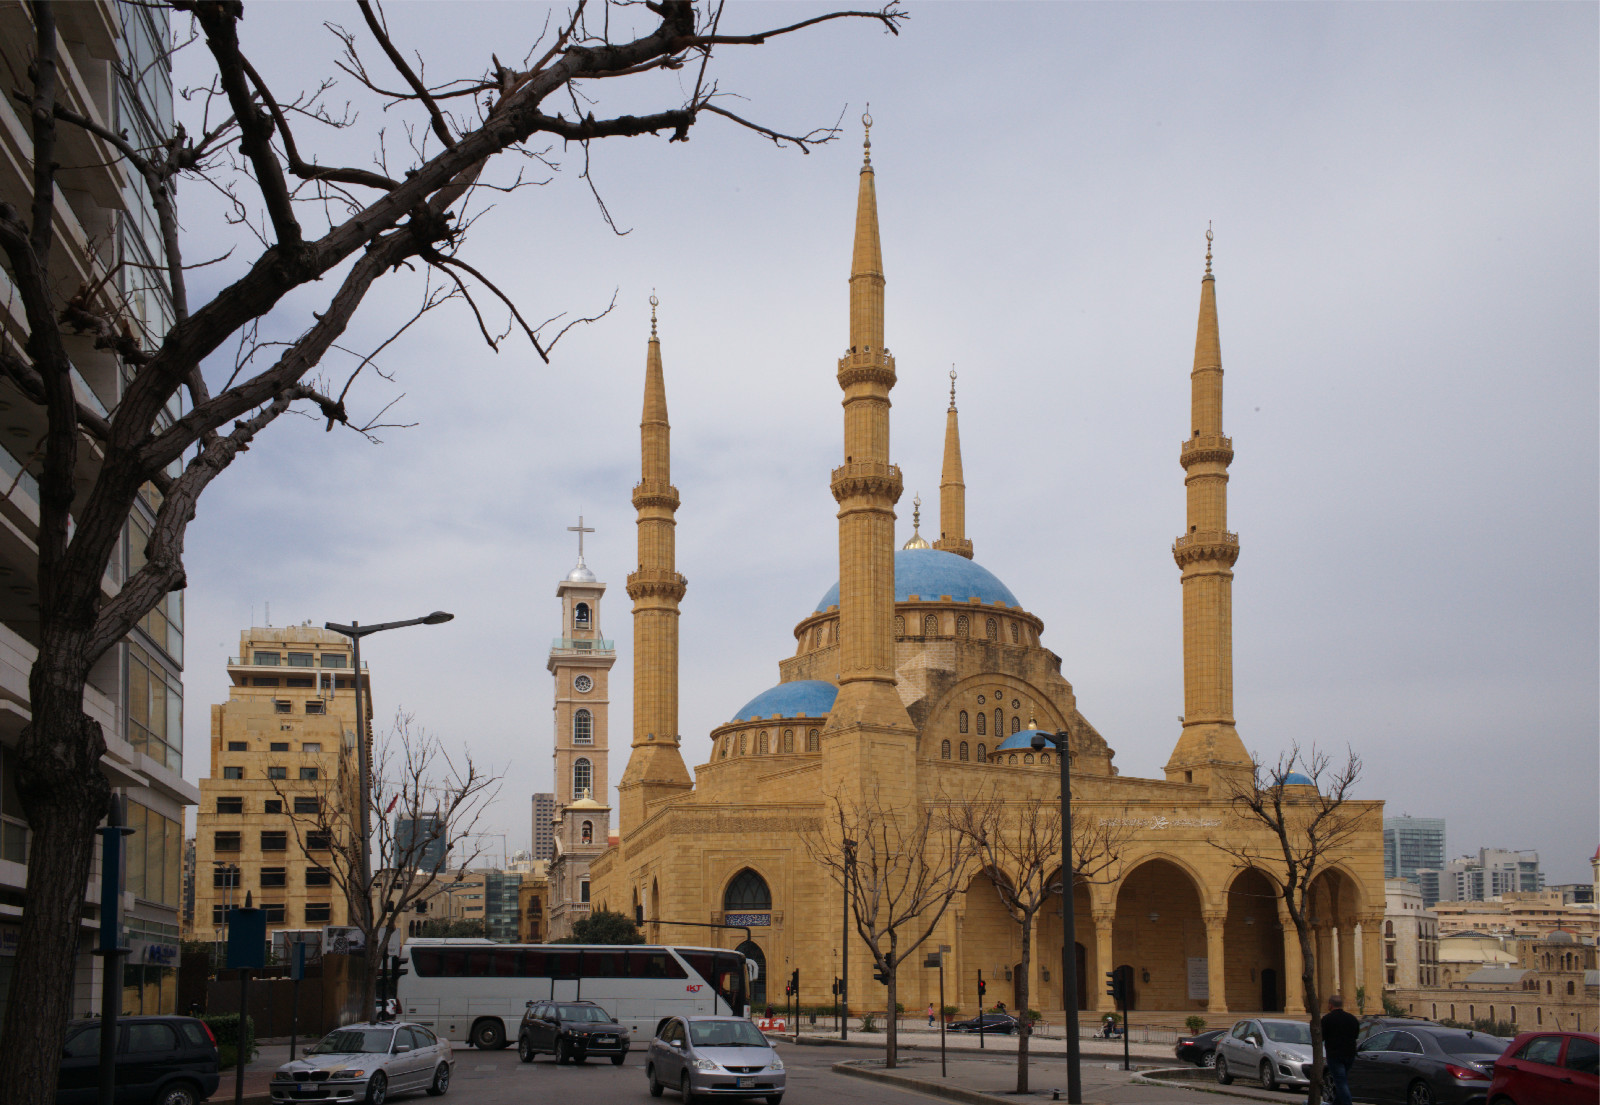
[(155, 709), (1410, 843)]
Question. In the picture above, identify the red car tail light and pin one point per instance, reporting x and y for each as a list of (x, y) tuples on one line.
[(1467, 1073)]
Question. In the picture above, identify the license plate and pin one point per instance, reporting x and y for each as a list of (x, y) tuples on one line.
[(605, 1039), (747, 1084)]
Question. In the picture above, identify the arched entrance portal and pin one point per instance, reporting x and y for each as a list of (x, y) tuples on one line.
[(758, 988), (1158, 930), (747, 900), (1047, 950), (1254, 941)]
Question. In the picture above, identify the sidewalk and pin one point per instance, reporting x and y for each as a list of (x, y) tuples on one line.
[(1100, 1050)]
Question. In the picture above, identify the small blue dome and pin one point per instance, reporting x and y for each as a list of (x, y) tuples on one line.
[(1023, 741), (929, 573), (1295, 779), (802, 698)]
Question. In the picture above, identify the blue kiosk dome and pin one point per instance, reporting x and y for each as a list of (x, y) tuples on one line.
[(930, 573), (801, 698)]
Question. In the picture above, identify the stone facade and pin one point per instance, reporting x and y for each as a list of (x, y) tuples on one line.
[(920, 683), (1410, 938), (1553, 983)]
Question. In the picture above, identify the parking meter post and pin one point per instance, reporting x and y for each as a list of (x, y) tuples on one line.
[(111, 950)]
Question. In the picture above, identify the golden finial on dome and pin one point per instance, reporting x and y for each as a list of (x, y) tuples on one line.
[(917, 541), (1208, 247), (654, 303), (866, 142)]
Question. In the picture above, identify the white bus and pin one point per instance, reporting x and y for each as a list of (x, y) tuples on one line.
[(475, 991)]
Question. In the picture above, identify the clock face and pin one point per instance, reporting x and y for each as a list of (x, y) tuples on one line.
[(583, 684)]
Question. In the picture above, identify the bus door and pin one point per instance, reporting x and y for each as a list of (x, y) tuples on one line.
[(565, 971)]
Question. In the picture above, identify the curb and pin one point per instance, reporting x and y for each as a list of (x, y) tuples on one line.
[(1199, 1085), (923, 1085)]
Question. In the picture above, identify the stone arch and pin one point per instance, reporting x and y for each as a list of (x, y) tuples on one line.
[(990, 939), (1047, 948), (1253, 966), (1159, 926), (746, 891), (1335, 907)]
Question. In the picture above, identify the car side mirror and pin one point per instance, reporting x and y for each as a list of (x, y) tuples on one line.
[(528, 1005), (401, 1049)]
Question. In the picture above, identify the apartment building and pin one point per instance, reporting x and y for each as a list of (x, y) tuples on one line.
[(282, 750), (113, 68), (1410, 937), (1410, 844)]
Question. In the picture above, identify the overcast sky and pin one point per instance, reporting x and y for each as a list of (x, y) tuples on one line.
[(1405, 203)]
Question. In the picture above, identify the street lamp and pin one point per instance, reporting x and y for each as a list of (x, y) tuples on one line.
[(355, 631), (1069, 959), (844, 940)]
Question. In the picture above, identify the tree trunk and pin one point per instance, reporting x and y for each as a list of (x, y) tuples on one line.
[(1308, 981), (893, 1027), (1024, 1026), (64, 796)]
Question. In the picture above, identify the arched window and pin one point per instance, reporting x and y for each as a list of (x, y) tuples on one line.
[(963, 626), (1013, 758), (788, 740), (999, 723), (744, 743), (983, 753), (761, 743), (582, 778), (813, 741), (588, 832), (961, 721), (1013, 632), (726, 742), (930, 626), (1016, 723), (1044, 757), (1388, 928), (580, 614), (583, 727), (1569, 994), (944, 750), (899, 625), (983, 723), (747, 893), (991, 630), (1027, 757), (964, 752)]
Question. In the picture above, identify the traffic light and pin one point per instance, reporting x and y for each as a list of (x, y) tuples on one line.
[(881, 975), (982, 989), (1116, 986), (794, 982), (836, 987)]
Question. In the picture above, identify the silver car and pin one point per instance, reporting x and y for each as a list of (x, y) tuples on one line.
[(707, 1057), (367, 1063), (1278, 1052)]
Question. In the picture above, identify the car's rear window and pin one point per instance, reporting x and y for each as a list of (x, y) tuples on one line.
[(1459, 1043), (194, 1034)]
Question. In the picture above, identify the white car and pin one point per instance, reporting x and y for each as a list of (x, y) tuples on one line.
[(367, 1063), (1278, 1052)]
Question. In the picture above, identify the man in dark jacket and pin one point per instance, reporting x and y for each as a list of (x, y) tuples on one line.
[(1339, 1032)]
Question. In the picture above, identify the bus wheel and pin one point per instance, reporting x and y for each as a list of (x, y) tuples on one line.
[(489, 1034)]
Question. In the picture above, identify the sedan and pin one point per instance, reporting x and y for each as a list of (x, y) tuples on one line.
[(1200, 1049), (1275, 1051), (709, 1057), (1003, 1023), (1425, 1065), (367, 1062), (1548, 1067)]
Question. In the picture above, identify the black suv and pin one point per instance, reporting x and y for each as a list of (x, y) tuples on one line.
[(572, 1031), (160, 1061)]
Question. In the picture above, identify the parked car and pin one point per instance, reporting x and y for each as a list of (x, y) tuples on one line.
[(713, 1057), (1425, 1064), (367, 1062), (1547, 1067), (571, 1031), (1375, 1022), (1275, 1051), (992, 1022), (160, 1061), (1199, 1049)]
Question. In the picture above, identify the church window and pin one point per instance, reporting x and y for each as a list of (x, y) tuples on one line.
[(583, 727), (899, 625), (813, 741), (1027, 758), (788, 740), (992, 630), (747, 893), (580, 614), (963, 751), (944, 750), (1013, 632), (1016, 723), (744, 743), (582, 778), (963, 626), (761, 743), (961, 721), (983, 723), (983, 753), (588, 832), (930, 626), (1013, 757)]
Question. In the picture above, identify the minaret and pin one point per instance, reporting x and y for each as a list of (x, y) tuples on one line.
[(952, 486), (655, 765), (866, 487), (1209, 750)]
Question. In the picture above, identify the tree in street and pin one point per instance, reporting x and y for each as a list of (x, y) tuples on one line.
[(1307, 824), (329, 232), (604, 926), (438, 927)]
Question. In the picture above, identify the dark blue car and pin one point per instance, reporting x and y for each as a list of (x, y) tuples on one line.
[(160, 1061)]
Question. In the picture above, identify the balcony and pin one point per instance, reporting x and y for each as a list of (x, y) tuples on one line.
[(276, 666), (571, 644)]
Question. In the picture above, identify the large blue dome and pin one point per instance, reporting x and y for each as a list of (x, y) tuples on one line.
[(1023, 741), (930, 573), (802, 698)]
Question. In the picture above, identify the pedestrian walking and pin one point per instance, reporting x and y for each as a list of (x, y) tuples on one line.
[(1339, 1032), (930, 1014)]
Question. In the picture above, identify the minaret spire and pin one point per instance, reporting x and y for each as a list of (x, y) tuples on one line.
[(952, 486), (655, 764), (1209, 750), (866, 487)]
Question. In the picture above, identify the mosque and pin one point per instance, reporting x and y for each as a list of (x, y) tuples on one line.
[(921, 674)]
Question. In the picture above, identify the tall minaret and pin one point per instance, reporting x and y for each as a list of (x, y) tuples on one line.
[(655, 765), (952, 486), (1209, 750), (866, 487)]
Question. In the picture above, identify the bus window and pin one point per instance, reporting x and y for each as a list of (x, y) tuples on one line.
[(731, 980), (479, 963), (654, 965), (507, 963), (453, 963), (425, 961), (604, 963), (561, 964)]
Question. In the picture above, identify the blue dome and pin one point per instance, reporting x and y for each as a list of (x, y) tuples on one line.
[(802, 698), (1295, 779), (1023, 741), (929, 573)]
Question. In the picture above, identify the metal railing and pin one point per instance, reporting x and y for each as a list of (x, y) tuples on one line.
[(572, 644)]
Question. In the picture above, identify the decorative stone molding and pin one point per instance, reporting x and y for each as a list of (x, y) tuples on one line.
[(1206, 447), (867, 478), (1219, 545), (648, 493), (656, 583)]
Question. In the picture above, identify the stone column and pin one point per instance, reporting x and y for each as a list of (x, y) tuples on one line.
[(1349, 977), (1294, 993), (1104, 960), (1216, 972), (1372, 960)]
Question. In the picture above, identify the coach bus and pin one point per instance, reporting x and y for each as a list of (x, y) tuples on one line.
[(475, 991)]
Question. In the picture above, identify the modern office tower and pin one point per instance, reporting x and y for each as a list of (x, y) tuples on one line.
[(423, 841), (544, 837), (1410, 843)]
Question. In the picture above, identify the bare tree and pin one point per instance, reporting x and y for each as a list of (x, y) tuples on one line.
[(416, 780), (899, 869), (1017, 842), (342, 224), (1306, 825)]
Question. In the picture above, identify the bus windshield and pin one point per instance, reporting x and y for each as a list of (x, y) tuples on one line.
[(725, 972)]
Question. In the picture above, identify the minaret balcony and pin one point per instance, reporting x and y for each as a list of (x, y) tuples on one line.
[(867, 366), (656, 583), (581, 646), (1206, 545), (1206, 447), (868, 477), (649, 493)]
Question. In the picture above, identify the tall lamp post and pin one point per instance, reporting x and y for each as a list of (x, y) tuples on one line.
[(355, 631), (844, 941), (1061, 741)]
